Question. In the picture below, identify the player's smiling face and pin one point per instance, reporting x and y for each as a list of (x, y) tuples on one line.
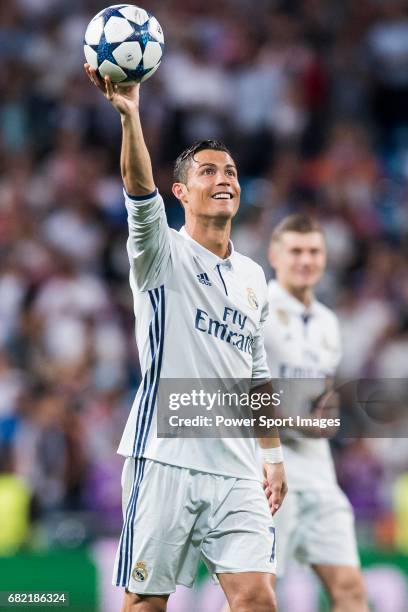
[(212, 189), (299, 259)]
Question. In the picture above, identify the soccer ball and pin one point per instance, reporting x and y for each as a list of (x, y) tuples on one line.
[(124, 42)]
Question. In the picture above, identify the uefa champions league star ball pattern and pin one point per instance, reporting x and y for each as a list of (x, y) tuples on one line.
[(124, 42)]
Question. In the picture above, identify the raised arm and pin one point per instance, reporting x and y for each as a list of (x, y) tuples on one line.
[(135, 161), (149, 242)]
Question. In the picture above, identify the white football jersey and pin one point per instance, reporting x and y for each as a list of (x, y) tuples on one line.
[(197, 316), (302, 343)]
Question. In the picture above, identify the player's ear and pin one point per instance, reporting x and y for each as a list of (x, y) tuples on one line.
[(179, 191)]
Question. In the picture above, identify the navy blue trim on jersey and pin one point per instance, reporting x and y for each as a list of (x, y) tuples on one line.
[(159, 328), (126, 538), (143, 424), (152, 375), (223, 282), (148, 196), (306, 316)]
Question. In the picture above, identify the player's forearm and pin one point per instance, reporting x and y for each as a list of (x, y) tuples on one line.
[(269, 442), (274, 482), (272, 441), (135, 160)]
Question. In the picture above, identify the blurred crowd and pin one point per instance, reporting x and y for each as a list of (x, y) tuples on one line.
[(312, 98)]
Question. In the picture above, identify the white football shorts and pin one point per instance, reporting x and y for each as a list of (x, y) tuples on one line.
[(316, 527), (174, 516)]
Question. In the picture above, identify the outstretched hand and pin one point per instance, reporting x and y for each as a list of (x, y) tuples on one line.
[(122, 97)]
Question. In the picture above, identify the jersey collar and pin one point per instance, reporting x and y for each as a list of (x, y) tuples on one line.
[(277, 291), (211, 259)]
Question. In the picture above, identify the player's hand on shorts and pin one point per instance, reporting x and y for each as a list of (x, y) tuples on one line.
[(123, 98), (275, 485)]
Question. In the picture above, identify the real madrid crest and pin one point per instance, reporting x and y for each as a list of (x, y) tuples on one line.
[(140, 572), (252, 299)]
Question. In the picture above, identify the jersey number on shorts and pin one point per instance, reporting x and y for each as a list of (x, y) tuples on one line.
[(272, 557)]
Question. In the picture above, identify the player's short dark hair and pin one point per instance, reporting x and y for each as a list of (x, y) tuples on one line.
[(183, 161), (299, 223)]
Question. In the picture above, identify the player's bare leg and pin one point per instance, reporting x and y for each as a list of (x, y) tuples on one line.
[(144, 603), (249, 591), (345, 587)]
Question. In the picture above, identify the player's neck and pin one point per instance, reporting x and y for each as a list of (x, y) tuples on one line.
[(303, 295), (212, 236)]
